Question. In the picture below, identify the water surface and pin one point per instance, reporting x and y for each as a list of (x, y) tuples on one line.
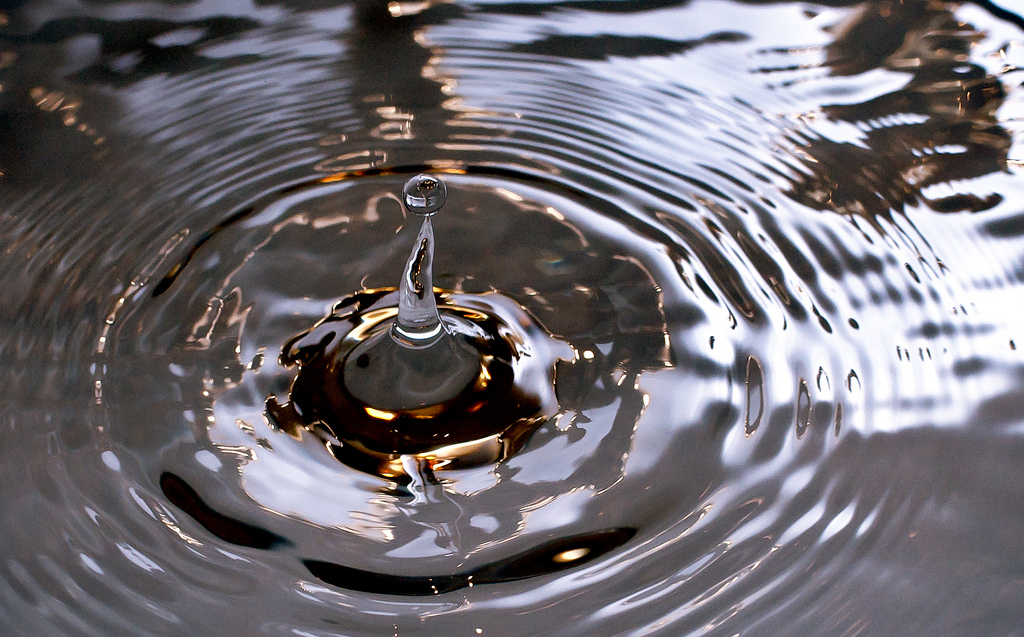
[(784, 241)]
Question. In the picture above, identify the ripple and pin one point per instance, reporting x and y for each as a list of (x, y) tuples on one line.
[(788, 264)]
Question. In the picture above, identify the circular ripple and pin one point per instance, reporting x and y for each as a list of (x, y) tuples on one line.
[(789, 266)]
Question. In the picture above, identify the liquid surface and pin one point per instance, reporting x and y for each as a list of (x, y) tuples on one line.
[(784, 241)]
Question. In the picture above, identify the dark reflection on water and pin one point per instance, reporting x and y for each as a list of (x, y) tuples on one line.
[(940, 127), (181, 495), (551, 557), (783, 241)]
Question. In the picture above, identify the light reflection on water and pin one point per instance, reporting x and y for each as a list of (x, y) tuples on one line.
[(784, 238)]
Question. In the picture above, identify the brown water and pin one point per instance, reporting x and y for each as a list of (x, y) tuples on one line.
[(783, 242)]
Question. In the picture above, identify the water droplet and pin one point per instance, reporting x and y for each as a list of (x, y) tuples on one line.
[(424, 195)]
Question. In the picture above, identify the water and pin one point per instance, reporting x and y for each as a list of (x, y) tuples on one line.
[(393, 387), (418, 322), (781, 241)]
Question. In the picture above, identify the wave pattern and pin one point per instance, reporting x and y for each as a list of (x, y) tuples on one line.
[(785, 240)]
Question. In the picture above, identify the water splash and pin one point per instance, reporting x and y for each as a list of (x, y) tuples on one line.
[(418, 323), (403, 388), (418, 363), (831, 192)]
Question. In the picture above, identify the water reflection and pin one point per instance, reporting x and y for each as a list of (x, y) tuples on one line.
[(795, 403), (940, 127)]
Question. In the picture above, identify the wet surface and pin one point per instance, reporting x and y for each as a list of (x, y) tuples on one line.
[(782, 241)]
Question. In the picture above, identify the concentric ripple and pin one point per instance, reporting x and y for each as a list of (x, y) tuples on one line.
[(781, 243)]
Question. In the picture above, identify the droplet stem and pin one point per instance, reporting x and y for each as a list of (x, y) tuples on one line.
[(418, 323)]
